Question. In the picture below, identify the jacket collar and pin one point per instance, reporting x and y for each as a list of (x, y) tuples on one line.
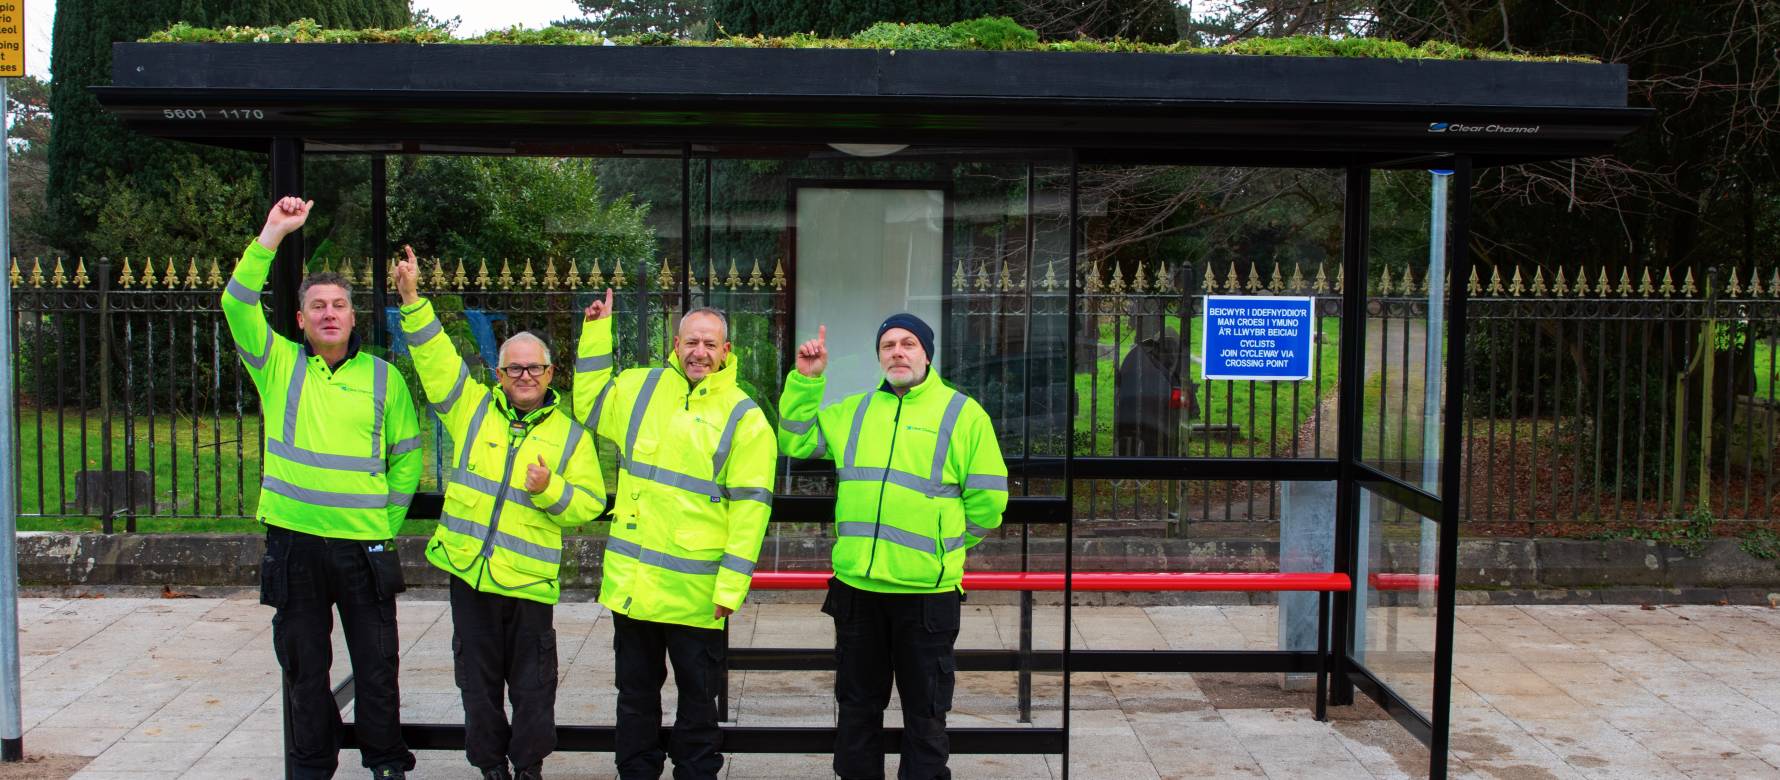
[(724, 377), (352, 345), (530, 418)]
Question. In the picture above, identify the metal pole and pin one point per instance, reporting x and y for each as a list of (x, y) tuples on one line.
[(1450, 473), (289, 267), (379, 250), (12, 737)]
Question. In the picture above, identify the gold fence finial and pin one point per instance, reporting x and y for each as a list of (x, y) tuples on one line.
[(1539, 287), (1278, 282), (126, 279), (1774, 283), (1254, 279), (527, 279), (482, 277), (1733, 287), (1140, 281), (460, 279), (1164, 279), (1560, 287), (1515, 287), (81, 279), (1322, 280), (1341, 280), (779, 280), (1668, 286), (506, 277), (1091, 278), (1687, 286), (148, 273), (618, 277), (711, 280), (1050, 283), (1117, 287), (1007, 277), (1645, 288), (1384, 282), (983, 278), (755, 280), (595, 279), (58, 278), (1603, 285), (572, 279), (959, 283), (734, 279), (551, 280), (1297, 277), (1231, 283), (1495, 286), (170, 278), (191, 273), (664, 280), (15, 278), (1755, 283)]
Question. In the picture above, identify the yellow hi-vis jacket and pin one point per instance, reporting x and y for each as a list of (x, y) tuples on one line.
[(342, 452), (695, 484), (921, 479), (493, 534)]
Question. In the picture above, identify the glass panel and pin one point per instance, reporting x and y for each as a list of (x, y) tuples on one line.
[(1406, 299), (1396, 589)]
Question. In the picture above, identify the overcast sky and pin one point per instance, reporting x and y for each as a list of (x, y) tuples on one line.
[(478, 16)]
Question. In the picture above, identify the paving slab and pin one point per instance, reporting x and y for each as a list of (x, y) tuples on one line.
[(150, 687)]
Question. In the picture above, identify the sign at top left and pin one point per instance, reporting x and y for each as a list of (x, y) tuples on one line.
[(12, 38)]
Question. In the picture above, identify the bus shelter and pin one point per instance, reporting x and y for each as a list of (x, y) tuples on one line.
[(797, 187)]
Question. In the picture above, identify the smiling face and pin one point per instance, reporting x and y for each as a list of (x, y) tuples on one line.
[(523, 357), (702, 345), (902, 358), (326, 318)]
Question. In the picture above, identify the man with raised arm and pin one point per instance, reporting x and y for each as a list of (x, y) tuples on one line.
[(920, 481), (341, 463), (522, 471), (695, 489)]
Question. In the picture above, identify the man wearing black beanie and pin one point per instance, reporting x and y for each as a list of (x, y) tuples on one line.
[(920, 481)]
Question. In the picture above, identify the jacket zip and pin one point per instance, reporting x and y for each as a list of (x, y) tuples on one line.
[(500, 497), (878, 520)]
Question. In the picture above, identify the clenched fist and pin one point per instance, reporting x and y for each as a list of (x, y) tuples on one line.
[(288, 214)]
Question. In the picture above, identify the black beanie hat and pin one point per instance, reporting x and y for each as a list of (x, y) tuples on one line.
[(912, 324)]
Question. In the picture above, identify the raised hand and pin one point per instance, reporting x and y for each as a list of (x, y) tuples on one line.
[(599, 310), (537, 476), (408, 277), (288, 214), (812, 355)]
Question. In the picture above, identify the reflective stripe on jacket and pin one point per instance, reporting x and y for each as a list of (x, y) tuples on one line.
[(695, 484), (342, 455), (492, 533), (921, 479)]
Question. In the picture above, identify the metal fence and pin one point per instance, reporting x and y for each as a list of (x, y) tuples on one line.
[(1585, 397)]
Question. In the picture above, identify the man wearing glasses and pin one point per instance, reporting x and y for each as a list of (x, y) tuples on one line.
[(695, 489), (523, 470)]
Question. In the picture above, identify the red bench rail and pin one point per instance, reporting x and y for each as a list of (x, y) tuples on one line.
[(1221, 582)]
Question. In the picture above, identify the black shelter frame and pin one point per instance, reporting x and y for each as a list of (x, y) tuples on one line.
[(1356, 115)]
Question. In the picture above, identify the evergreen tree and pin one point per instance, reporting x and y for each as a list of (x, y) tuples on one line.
[(93, 159)]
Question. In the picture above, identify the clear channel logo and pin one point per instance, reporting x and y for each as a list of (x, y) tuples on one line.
[(1490, 129)]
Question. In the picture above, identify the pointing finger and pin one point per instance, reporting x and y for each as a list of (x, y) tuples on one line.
[(821, 333)]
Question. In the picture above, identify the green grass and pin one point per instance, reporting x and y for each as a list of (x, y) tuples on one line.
[(1220, 402)]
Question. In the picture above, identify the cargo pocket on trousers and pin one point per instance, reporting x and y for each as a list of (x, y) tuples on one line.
[(547, 659), (457, 661), (275, 573), (386, 568), (940, 613), (945, 680)]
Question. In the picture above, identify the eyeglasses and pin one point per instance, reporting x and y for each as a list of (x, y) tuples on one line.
[(515, 372)]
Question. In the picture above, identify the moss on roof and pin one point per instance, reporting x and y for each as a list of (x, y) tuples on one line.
[(986, 34)]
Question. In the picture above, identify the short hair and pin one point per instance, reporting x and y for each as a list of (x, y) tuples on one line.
[(711, 310), (522, 337), (323, 277)]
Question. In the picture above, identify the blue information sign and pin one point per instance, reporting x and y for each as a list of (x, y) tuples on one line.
[(1266, 338)]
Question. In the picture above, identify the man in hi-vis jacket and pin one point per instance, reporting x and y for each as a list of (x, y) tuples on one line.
[(920, 480), (695, 491)]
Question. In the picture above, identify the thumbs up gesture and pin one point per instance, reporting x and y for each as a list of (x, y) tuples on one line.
[(812, 355), (537, 476)]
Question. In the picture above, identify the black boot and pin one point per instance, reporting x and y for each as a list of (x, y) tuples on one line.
[(497, 773), (533, 772)]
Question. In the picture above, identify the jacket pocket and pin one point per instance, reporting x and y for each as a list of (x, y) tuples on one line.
[(275, 572), (697, 534), (386, 568)]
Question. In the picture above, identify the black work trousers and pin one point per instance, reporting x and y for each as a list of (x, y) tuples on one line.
[(697, 656), (885, 637), (502, 645), (307, 578)]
